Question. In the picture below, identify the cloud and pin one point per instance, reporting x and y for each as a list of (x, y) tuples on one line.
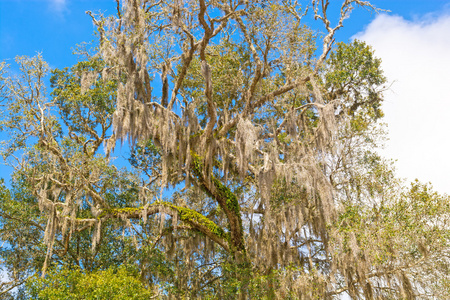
[(58, 6), (416, 58)]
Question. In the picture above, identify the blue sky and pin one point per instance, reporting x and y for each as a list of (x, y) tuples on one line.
[(412, 41), (54, 27)]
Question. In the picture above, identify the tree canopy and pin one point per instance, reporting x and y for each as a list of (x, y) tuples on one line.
[(252, 169)]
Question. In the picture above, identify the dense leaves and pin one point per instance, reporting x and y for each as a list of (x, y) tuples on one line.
[(74, 284)]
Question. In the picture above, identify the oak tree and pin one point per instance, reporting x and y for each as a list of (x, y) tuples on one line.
[(252, 144)]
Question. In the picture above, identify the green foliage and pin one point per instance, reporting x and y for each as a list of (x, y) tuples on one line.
[(20, 232), (145, 157), (286, 193), (84, 98), (355, 74), (23, 226), (228, 74), (65, 283), (407, 227)]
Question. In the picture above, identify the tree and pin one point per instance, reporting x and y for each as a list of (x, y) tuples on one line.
[(24, 226), (254, 171)]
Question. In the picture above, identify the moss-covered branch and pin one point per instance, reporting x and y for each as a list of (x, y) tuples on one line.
[(225, 198), (194, 219)]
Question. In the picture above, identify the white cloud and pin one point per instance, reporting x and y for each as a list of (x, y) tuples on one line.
[(59, 6), (416, 58)]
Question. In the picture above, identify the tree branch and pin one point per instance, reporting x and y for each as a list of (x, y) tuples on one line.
[(191, 217)]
